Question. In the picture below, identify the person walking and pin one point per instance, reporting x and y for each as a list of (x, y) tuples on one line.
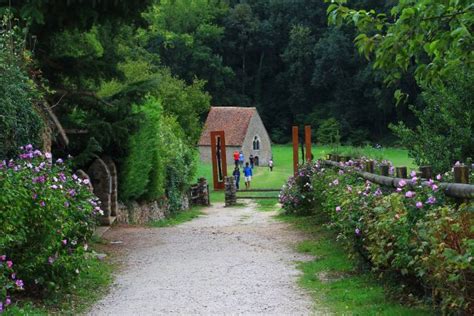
[(248, 175), (236, 175), (251, 159), (270, 164), (236, 158), (241, 159)]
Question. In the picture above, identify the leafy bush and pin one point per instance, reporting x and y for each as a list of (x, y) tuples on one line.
[(47, 216), (413, 231), (160, 163), (297, 195), (20, 122), (8, 281), (329, 132), (446, 130)]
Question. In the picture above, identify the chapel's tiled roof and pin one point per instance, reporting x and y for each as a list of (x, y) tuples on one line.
[(234, 121)]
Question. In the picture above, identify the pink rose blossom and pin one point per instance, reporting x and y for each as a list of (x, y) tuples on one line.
[(419, 204), (410, 194), (19, 283)]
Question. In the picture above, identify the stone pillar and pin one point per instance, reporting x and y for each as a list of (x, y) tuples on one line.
[(102, 183), (203, 192), (114, 195), (230, 191)]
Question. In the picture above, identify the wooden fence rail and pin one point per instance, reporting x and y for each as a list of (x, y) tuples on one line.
[(455, 190)]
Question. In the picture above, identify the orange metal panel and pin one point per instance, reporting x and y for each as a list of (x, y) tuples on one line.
[(218, 141)]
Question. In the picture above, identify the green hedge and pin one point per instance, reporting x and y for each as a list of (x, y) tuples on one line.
[(160, 164), (20, 122)]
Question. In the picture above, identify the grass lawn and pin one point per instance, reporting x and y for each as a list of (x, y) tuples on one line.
[(335, 282), (283, 168)]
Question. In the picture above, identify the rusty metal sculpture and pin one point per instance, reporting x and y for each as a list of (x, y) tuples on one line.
[(219, 159)]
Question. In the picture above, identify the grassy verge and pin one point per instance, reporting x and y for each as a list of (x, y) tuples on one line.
[(267, 205), (93, 282), (178, 218), (334, 280)]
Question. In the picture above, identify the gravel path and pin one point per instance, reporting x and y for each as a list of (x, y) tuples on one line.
[(228, 261)]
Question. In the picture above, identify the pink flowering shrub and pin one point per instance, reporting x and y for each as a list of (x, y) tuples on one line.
[(297, 195), (9, 281), (47, 216), (412, 230)]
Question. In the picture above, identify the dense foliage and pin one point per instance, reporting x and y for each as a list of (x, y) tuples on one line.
[(47, 216), (279, 56), (446, 130), (100, 68), (20, 122), (159, 160), (413, 231), (431, 39)]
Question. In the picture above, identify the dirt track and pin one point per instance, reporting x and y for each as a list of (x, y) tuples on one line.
[(229, 261)]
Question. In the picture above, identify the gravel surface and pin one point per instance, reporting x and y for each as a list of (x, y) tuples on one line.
[(228, 261)]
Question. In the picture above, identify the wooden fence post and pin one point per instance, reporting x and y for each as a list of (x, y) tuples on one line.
[(295, 150), (401, 172), (461, 174), (369, 166), (384, 170), (307, 140), (426, 172)]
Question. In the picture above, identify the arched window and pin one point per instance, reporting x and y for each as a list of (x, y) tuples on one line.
[(256, 143)]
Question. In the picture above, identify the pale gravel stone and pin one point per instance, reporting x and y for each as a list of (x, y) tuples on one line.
[(232, 261)]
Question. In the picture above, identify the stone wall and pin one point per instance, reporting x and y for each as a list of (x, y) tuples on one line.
[(103, 181), (199, 193), (140, 213), (256, 128)]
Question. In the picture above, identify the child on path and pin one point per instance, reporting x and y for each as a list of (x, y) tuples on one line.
[(236, 158), (248, 175), (241, 159), (236, 175), (270, 164)]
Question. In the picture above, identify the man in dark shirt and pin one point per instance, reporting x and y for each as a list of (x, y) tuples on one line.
[(236, 175)]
